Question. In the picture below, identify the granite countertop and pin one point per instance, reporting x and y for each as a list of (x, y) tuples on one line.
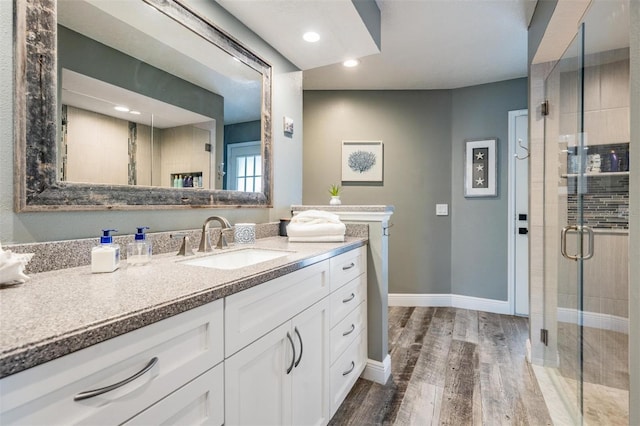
[(59, 312)]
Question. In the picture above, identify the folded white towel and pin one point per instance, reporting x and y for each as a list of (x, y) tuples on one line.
[(315, 229), (316, 223), (315, 217), (322, 239)]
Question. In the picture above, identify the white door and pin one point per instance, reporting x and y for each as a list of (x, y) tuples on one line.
[(257, 387), (311, 370), (519, 211)]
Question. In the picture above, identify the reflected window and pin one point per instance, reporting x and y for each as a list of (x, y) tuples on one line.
[(245, 167)]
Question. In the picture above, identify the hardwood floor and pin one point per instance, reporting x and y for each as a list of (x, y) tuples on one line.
[(450, 367)]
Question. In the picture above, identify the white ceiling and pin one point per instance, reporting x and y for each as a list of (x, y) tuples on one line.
[(426, 44)]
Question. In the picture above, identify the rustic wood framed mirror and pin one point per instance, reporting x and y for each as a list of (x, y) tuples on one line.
[(173, 75)]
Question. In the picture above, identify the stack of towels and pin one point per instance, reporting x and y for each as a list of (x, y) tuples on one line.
[(316, 226)]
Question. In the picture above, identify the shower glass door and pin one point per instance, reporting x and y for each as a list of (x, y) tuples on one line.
[(565, 240), (586, 218)]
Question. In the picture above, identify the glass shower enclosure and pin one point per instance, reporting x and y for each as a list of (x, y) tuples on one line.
[(586, 217)]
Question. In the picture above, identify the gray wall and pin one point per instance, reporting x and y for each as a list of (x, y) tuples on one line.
[(415, 128), (51, 226), (86, 56), (479, 225), (423, 133)]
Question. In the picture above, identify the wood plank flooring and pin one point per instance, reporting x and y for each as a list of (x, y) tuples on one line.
[(450, 367)]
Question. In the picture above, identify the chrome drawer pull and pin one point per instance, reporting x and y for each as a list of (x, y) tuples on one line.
[(346, 268), (349, 299), (353, 365), (293, 358), (96, 392), (299, 338), (353, 328)]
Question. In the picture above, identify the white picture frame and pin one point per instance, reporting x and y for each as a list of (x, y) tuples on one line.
[(362, 161), (481, 168)]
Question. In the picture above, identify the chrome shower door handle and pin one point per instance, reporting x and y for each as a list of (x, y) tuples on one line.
[(581, 230), (589, 255), (563, 242)]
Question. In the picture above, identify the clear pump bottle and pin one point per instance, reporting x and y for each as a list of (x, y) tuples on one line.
[(139, 251), (106, 256)]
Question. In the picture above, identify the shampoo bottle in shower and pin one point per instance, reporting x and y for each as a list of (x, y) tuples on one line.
[(614, 166)]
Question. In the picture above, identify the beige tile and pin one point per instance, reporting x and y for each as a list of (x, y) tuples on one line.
[(619, 308), (616, 125), (592, 304), (591, 88), (594, 127), (615, 84)]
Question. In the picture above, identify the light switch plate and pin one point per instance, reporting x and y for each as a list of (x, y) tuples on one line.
[(442, 209)]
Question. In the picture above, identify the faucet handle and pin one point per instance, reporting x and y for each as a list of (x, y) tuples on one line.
[(222, 241), (185, 249)]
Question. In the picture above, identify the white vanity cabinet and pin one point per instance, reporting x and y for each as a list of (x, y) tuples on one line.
[(283, 352), (348, 323), (142, 367), (280, 376)]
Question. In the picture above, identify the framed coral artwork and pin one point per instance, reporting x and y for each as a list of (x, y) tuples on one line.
[(362, 161)]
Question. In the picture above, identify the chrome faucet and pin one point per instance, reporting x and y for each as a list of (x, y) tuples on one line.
[(205, 242)]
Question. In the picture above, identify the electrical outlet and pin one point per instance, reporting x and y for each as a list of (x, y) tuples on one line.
[(442, 209)]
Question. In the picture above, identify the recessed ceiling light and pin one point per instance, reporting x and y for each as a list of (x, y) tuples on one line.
[(121, 108), (311, 36), (134, 112), (350, 63)]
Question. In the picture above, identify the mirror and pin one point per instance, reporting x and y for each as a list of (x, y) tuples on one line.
[(143, 104)]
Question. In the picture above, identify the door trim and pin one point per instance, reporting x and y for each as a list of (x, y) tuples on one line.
[(511, 222)]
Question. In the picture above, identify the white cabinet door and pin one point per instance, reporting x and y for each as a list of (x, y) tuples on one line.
[(283, 377), (257, 386), (311, 398)]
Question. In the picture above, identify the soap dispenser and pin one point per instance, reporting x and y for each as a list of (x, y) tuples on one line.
[(139, 251), (106, 256)]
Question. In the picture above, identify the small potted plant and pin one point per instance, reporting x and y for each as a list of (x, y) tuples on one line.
[(334, 190)]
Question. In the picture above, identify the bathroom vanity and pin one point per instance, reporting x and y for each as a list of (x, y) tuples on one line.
[(278, 342)]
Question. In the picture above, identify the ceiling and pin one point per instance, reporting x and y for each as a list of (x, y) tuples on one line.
[(425, 44)]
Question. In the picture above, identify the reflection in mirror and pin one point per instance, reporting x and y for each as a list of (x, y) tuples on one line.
[(156, 107), (109, 135), (124, 131)]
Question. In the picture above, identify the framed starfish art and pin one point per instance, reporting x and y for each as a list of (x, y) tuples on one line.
[(480, 171)]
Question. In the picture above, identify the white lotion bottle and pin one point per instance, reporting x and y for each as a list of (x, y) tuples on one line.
[(106, 256), (139, 251)]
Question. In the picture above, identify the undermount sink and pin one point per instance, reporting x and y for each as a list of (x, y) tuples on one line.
[(237, 258)]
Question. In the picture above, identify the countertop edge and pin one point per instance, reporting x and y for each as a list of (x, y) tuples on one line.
[(36, 353)]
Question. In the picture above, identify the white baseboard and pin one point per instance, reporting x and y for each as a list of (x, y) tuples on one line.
[(450, 300), (595, 320), (377, 371)]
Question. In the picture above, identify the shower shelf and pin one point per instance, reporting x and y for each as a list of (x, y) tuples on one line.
[(596, 174)]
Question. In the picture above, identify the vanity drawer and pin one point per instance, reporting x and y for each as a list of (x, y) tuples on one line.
[(346, 370), (199, 402), (252, 313), (347, 298), (166, 354), (347, 266), (348, 330)]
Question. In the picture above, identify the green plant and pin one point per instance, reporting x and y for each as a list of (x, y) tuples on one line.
[(334, 190)]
